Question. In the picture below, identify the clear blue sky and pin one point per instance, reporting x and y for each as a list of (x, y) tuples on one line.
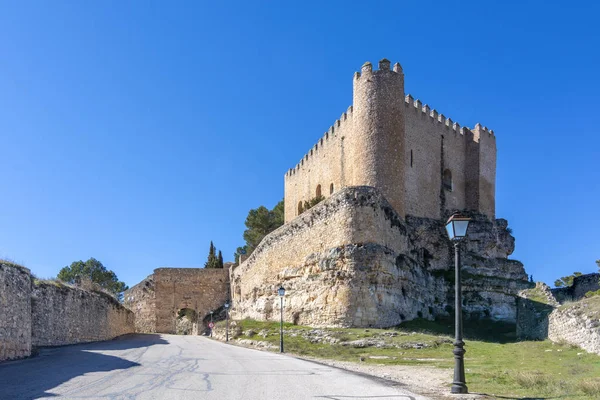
[(136, 132)]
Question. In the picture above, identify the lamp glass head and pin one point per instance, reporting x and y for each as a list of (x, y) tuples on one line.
[(227, 305), (457, 226), (281, 291)]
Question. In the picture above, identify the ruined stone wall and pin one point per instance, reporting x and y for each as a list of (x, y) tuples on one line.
[(141, 299), (534, 307), (15, 312), (198, 289), (389, 141), (581, 285), (352, 261), (578, 324), (65, 315)]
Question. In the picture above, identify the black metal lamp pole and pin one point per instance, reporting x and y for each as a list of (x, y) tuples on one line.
[(457, 227), (211, 323), (459, 385), (227, 322), (281, 292)]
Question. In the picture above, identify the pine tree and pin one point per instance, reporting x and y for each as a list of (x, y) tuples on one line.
[(212, 261), (220, 260)]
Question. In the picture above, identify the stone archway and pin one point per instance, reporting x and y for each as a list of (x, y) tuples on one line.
[(186, 322)]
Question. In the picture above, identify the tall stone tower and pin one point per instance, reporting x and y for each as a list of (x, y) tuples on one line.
[(377, 142)]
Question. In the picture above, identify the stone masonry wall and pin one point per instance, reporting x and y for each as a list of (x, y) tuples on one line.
[(430, 144), (352, 261), (578, 324), (198, 289), (581, 285), (15, 312), (141, 299), (65, 315)]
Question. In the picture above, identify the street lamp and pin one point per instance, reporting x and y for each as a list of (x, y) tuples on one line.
[(457, 227), (281, 292), (211, 323), (227, 323)]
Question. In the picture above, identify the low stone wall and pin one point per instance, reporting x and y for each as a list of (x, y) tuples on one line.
[(15, 312), (49, 313), (577, 324), (65, 315)]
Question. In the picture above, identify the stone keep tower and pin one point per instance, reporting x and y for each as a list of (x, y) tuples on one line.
[(424, 164), (377, 142)]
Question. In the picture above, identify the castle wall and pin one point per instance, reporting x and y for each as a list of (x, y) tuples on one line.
[(15, 312), (65, 315), (325, 164), (402, 147), (199, 289), (141, 299)]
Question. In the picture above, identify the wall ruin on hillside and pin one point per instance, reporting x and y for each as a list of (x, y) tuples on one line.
[(53, 314), (352, 261)]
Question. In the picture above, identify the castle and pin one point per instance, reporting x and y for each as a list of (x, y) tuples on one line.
[(374, 251), (424, 163)]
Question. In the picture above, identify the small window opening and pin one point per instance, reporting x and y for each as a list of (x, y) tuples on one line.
[(411, 159), (300, 210), (331, 189), (447, 180), (318, 193)]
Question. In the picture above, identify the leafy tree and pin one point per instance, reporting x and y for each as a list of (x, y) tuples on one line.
[(213, 260), (97, 273), (566, 281), (238, 252), (312, 202), (260, 222), (220, 259)]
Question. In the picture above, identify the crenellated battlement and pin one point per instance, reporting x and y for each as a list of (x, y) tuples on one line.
[(425, 163), (411, 103), (330, 134), (384, 65)]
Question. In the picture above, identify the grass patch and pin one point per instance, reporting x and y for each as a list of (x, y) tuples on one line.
[(494, 363)]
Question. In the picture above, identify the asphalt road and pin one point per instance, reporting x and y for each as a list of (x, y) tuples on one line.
[(182, 367)]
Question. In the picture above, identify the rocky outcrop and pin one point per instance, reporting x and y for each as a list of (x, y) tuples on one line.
[(352, 261)]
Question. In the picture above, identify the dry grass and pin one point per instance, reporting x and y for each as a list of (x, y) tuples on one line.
[(531, 379), (591, 387)]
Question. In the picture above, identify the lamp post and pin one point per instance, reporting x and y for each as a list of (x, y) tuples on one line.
[(457, 230), (211, 323), (281, 292), (227, 321)]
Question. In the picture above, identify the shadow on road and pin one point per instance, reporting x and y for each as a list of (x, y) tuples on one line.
[(32, 378)]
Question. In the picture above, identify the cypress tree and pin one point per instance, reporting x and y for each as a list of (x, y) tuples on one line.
[(212, 261), (220, 260)]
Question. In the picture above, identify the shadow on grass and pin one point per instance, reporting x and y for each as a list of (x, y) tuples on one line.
[(485, 330), (494, 396)]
